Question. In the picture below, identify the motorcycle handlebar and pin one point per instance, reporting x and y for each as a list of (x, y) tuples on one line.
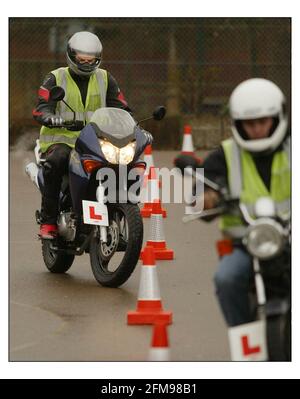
[(74, 125)]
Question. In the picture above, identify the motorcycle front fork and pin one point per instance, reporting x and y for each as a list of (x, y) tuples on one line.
[(101, 199), (260, 290)]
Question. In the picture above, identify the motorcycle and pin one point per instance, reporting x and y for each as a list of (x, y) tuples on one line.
[(267, 238), (97, 214)]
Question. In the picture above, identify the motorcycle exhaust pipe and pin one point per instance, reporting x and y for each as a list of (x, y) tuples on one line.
[(32, 170)]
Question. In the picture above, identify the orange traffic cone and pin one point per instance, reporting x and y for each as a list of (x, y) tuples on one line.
[(150, 194), (187, 157), (148, 158), (149, 305), (159, 351), (157, 237), (187, 145)]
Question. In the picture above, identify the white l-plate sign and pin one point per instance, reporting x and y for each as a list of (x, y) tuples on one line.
[(95, 213)]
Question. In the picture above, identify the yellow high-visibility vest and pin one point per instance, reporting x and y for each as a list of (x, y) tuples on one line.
[(95, 98), (245, 183)]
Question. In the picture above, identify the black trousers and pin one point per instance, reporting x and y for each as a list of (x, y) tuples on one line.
[(54, 168)]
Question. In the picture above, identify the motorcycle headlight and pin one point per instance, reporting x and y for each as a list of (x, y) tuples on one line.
[(127, 153), (117, 155), (109, 151), (265, 239)]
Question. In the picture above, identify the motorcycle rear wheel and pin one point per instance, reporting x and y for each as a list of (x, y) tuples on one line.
[(56, 262), (130, 246)]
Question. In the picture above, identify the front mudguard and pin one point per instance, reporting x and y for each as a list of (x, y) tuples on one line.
[(277, 307)]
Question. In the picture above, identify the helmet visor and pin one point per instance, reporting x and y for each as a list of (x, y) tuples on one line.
[(85, 58), (85, 62)]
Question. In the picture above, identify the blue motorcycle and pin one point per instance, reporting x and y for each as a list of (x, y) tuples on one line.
[(98, 204)]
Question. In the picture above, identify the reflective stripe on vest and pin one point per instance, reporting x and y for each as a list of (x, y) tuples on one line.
[(245, 182), (235, 179), (59, 139), (95, 98)]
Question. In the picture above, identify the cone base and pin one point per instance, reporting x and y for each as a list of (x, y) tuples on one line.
[(146, 213), (188, 153), (150, 317), (192, 154), (159, 253), (165, 254)]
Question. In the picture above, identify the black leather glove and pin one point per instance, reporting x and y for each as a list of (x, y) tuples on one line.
[(53, 120), (148, 136)]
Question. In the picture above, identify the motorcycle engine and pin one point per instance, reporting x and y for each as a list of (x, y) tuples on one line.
[(67, 226)]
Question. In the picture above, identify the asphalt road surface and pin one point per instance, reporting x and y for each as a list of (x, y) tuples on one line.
[(71, 318)]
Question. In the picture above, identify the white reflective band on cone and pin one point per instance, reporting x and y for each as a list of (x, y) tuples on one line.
[(150, 192), (159, 355), (187, 143), (149, 162), (149, 288), (156, 228), (154, 190)]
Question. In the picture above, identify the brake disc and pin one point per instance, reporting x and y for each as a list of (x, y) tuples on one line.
[(107, 249)]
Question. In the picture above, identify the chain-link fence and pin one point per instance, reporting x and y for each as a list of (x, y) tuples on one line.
[(189, 64)]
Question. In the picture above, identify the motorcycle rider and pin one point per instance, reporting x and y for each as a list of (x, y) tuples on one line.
[(87, 88), (254, 163)]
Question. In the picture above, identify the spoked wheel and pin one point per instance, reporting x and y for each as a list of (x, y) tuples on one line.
[(56, 262), (279, 337), (114, 261)]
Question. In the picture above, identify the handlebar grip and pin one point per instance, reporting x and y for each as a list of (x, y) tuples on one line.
[(69, 123), (74, 125)]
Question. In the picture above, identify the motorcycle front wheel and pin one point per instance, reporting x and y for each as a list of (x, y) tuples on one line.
[(279, 337), (113, 262)]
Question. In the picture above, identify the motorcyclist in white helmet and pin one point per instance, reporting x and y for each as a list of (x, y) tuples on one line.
[(259, 125), (87, 88)]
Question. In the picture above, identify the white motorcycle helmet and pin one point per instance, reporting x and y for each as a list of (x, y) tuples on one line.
[(253, 99), (84, 43)]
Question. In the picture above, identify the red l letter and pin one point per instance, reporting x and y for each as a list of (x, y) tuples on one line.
[(247, 350), (93, 215)]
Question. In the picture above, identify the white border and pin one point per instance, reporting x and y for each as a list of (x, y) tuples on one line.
[(155, 8)]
